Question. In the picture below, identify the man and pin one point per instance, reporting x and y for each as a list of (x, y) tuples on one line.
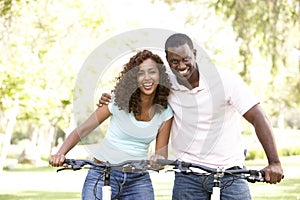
[(207, 104)]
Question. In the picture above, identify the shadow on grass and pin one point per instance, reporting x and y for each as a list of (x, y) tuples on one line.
[(41, 195)]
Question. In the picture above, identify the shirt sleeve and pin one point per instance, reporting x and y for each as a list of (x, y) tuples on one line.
[(242, 97), (168, 113)]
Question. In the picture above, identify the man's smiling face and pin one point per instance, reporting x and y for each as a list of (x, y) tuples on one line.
[(182, 59)]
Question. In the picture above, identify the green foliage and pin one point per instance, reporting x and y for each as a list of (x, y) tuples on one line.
[(272, 27), (266, 23), (17, 136), (293, 151), (40, 54), (253, 154)]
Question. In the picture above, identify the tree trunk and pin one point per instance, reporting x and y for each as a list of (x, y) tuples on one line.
[(8, 133)]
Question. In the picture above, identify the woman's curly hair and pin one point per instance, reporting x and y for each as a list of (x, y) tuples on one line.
[(127, 92)]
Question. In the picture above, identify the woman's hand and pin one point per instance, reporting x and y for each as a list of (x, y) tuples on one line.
[(105, 99), (57, 160), (153, 163)]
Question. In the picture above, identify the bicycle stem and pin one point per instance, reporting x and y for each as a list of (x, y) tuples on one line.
[(106, 189), (216, 190), (106, 176)]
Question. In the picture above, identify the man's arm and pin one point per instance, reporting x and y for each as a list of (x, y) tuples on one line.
[(263, 130)]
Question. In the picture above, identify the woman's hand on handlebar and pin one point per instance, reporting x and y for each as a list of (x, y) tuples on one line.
[(57, 160), (153, 163)]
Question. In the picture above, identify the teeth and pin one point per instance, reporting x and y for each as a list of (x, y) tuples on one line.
[(184, 71), (147, 84)]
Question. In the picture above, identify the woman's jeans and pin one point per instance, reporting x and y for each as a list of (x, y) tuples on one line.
[(190, 186), (132, 185)]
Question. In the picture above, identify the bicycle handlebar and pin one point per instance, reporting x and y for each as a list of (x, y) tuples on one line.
[(126, 166), (250, 175)]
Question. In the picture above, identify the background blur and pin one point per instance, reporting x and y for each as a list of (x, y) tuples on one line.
[(43, 44)]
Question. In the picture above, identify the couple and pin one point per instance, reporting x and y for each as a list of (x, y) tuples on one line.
[(204, 130)]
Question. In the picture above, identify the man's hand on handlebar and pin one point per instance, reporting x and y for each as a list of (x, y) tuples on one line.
[(105, 99), (273, 173)]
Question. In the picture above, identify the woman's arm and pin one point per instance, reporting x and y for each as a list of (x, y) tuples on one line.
[(162, 139), (101, 114)]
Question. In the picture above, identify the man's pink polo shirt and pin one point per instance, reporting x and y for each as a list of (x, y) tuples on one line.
[(206, 128)]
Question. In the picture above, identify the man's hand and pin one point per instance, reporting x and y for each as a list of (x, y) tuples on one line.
[(273, 173), (105, 99)]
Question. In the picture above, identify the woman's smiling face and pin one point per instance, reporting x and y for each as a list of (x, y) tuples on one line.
[(148, 77)]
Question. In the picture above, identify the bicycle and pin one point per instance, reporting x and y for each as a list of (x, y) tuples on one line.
[(248, 174), (129, 166)]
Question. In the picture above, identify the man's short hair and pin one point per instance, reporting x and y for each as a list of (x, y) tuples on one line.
[(178, 39)]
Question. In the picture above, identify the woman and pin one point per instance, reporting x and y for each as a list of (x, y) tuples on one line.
[(140, 113)]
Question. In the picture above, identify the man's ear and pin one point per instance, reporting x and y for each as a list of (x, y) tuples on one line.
[(195, 52), (166, 54)]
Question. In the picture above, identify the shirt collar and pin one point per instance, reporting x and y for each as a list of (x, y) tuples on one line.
[(178, 87)]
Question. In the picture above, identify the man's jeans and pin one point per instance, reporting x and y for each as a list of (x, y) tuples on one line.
[(132, 185), (198, 187)]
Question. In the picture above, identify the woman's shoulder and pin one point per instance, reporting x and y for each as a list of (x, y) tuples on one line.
[(168, 112)]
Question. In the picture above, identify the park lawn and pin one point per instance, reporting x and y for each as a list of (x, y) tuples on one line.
[(41, 195), (287, 190)]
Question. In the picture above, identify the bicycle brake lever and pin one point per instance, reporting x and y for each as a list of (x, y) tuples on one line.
[(182, 168), (65, 168), (73, 167), (256, 176)]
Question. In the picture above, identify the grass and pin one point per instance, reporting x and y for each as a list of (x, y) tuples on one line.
[(41, 195), (287, 190)]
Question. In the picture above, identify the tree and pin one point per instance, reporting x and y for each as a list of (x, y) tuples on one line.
[(274, 28), (43, 43)]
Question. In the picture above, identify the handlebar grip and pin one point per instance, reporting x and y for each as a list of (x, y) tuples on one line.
[(68, 161), (263, 174)]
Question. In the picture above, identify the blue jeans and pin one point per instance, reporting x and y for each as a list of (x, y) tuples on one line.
[(132, 185), (198, 187)]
